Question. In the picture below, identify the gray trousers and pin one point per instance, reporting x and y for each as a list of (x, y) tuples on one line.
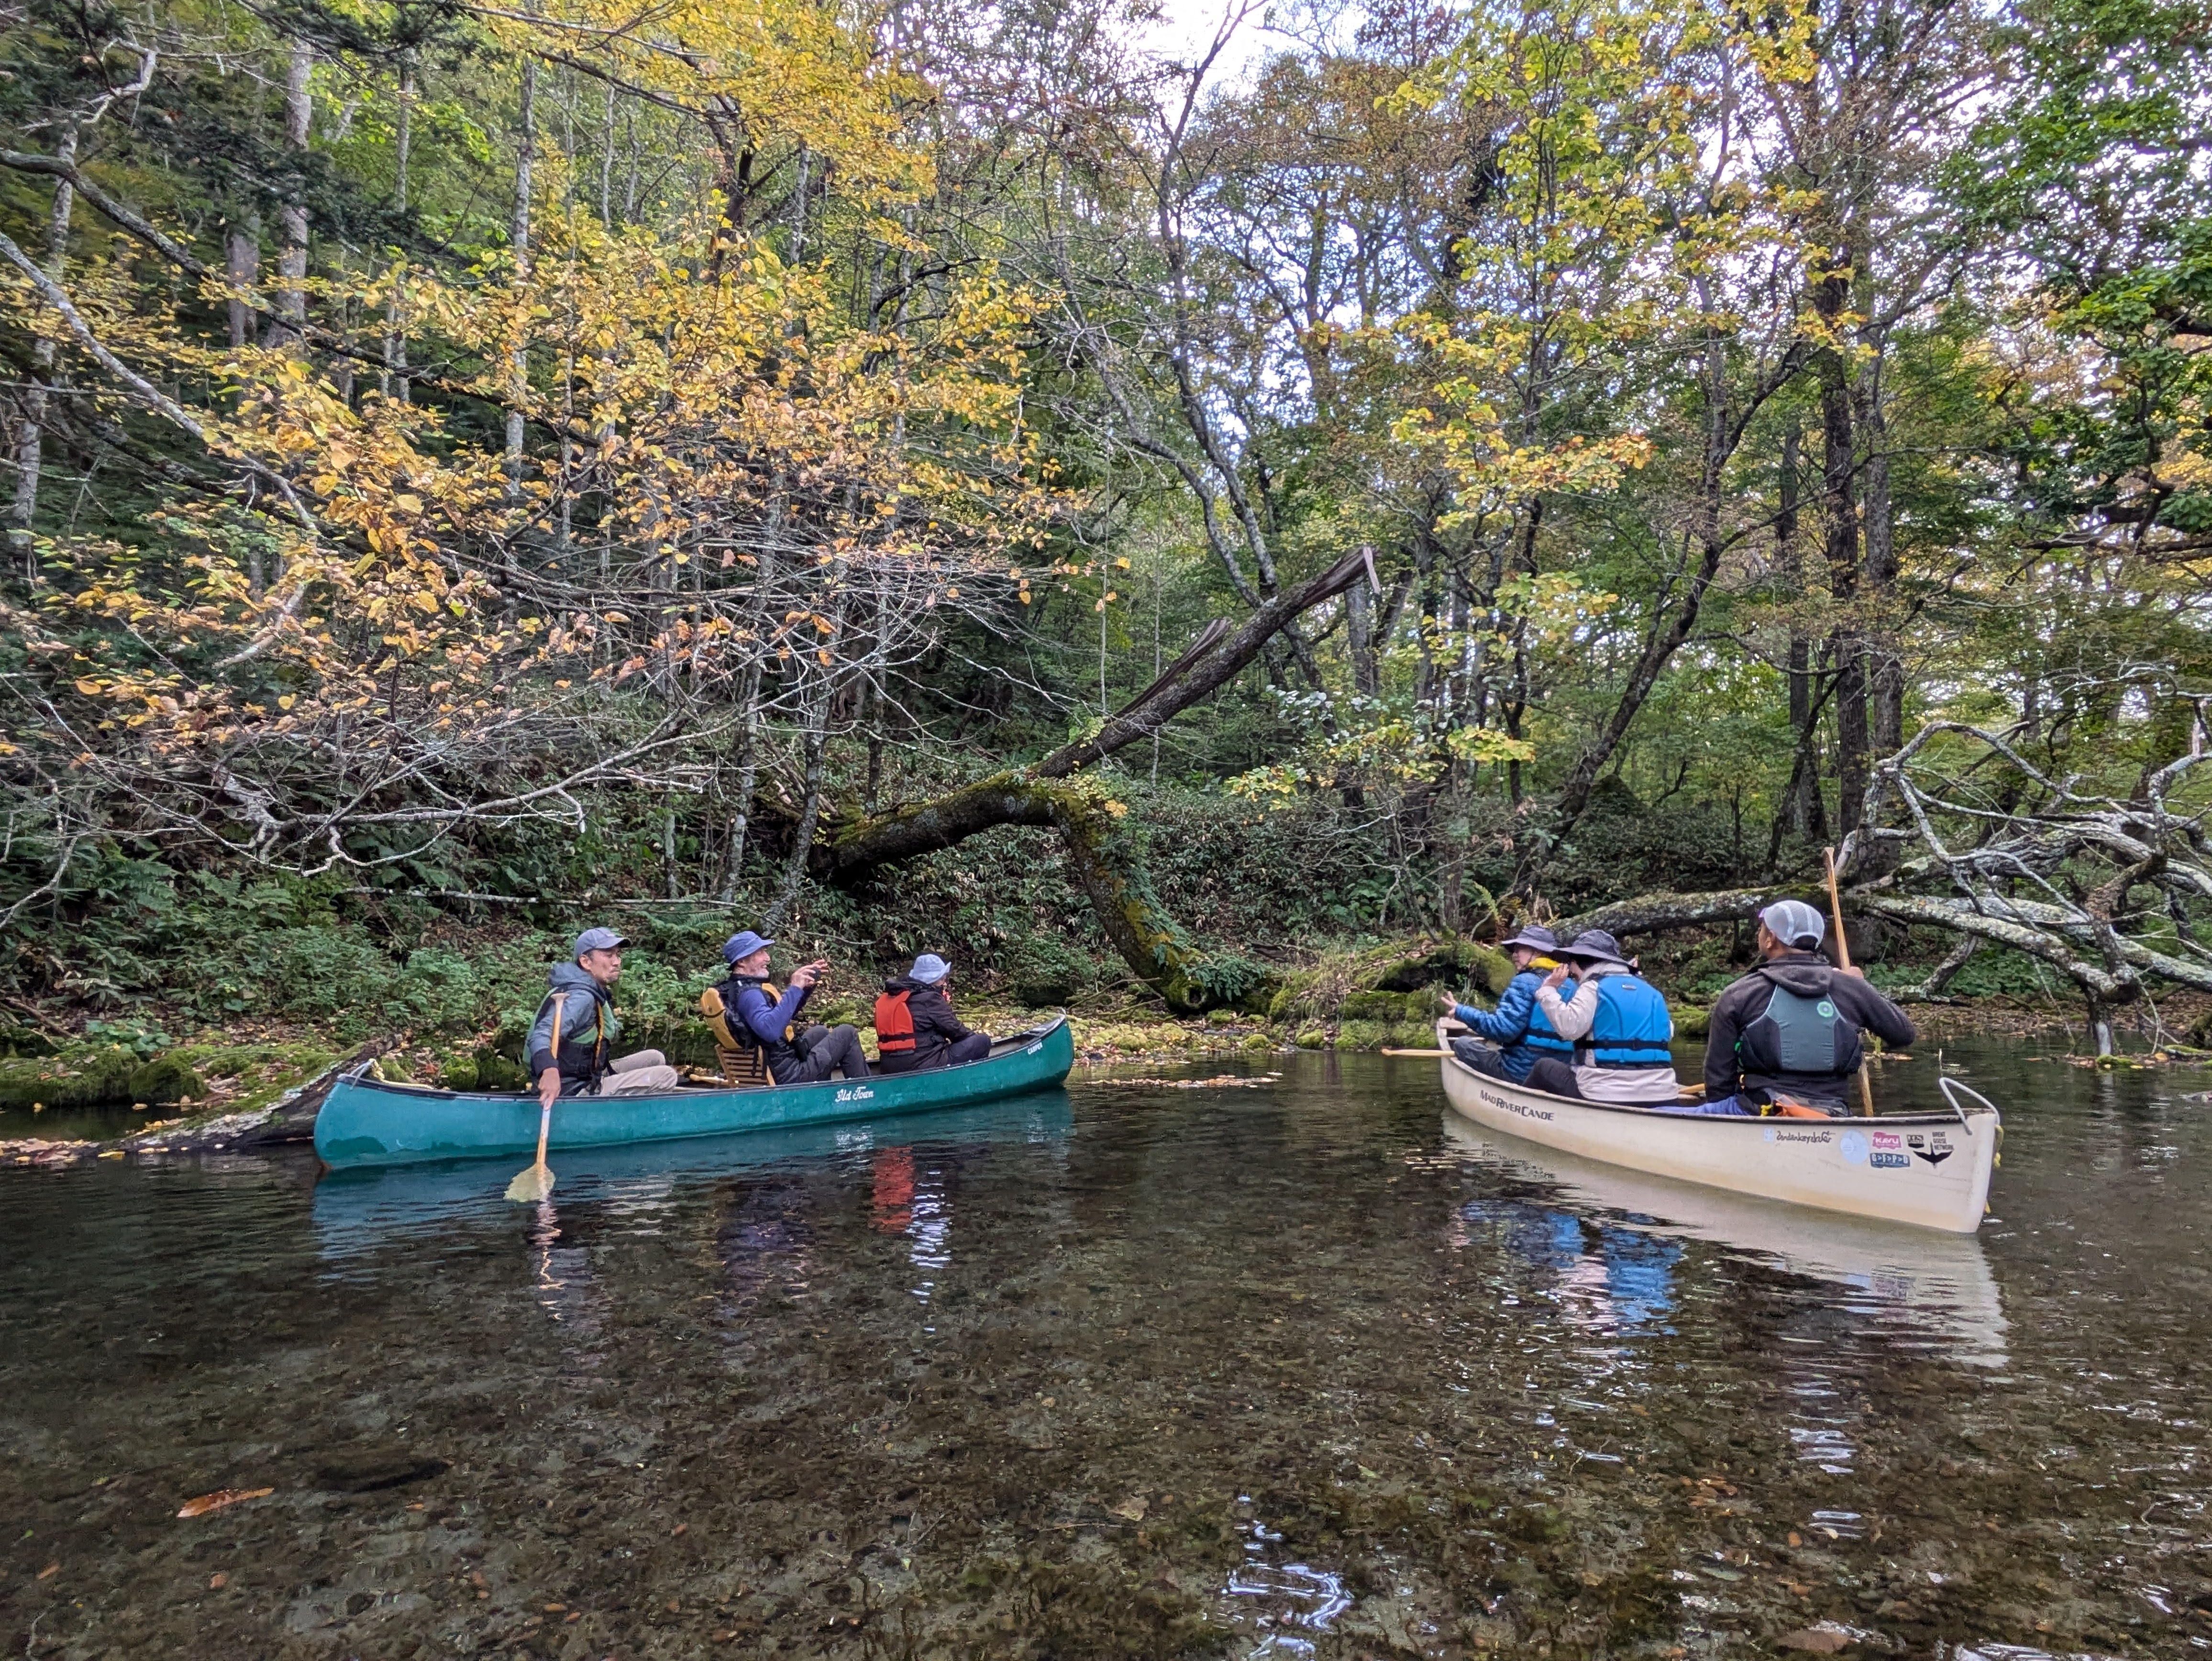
[(643, 1073)]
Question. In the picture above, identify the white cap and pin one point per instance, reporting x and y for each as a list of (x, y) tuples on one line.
[(1794, 924), (929, 968)]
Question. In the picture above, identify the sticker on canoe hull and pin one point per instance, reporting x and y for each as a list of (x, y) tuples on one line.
[(1852, 1145)]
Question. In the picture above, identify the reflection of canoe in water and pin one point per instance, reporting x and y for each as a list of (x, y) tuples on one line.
[(1917, 1279), (1928, 1169), (357, 1210), (366, 1121)]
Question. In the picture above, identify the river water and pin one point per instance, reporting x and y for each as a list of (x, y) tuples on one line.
[(1310, 1369)]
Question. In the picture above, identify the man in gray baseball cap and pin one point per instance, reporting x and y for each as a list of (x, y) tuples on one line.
[(569, 1041), (1787, 1036)]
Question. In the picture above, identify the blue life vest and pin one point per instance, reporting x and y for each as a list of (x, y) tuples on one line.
[(1542, 1036), (1632, 1028)]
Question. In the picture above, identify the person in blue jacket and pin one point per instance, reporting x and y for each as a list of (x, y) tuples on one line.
[(1518, 1028), (769, 1016)]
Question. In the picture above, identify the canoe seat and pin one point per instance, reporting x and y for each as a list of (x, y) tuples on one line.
[(744, 1065)]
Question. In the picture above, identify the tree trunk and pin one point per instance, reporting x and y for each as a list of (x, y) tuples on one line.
[(30, 445), (810, 812), (393, 381), (1105, 852), (518, 368), (1801, 806), (242, 269), (1839, 511), (291, 319), (1885, 669)]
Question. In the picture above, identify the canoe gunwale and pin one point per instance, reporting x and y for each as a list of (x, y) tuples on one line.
[(1001, 1049), (368, 1122)]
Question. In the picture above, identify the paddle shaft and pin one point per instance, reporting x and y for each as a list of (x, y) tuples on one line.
[(546, 1109), (1844, 961)]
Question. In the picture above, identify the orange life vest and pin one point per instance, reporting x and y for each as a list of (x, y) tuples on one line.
[(894, 1025)]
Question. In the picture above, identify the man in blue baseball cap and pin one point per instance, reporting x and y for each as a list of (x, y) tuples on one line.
[(576, 1025), (768, 1017), (1787, 1036)]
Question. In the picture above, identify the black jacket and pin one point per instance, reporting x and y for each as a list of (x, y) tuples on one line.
[(1742, 1056), (936, 1028)]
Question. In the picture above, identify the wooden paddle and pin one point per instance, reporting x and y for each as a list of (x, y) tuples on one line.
[(535, 1182), (1389, 1051), (1844, 961)]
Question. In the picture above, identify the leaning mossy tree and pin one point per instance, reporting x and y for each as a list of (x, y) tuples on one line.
[(1105, 846)]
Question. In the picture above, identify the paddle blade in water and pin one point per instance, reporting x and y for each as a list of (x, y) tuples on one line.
[(532, 1184)]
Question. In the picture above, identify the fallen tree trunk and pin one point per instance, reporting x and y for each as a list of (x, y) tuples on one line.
[(1652, 913)]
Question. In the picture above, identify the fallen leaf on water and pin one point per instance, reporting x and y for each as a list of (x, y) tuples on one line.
[(677, 1531), (1821, 1641), (1133, 1509), (220, 1498), (50, 1570), (217, 1582)]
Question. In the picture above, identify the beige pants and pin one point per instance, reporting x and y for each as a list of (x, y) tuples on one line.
[(631, 1075)]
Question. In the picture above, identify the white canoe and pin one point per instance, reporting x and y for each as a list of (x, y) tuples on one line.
[(1931, 1170), (1919, 1289)]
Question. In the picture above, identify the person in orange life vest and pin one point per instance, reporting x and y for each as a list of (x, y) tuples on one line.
[(915, 1027), (767, 1016)]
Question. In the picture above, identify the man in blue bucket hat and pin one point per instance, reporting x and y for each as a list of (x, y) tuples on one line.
[(769, 1016), (576, 1025)]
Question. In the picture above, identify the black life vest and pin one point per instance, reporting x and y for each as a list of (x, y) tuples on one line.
[(578, 1057), (740, 1029), (894, 1023)]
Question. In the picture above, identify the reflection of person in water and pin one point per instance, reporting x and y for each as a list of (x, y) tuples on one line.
[(1626, 1283)]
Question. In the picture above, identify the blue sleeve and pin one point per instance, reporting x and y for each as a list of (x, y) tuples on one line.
[(1510, 1023), (766, 1022)]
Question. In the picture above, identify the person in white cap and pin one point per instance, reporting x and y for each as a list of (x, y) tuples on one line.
[(576, 1024), (915, 1027), (1788, 1035)]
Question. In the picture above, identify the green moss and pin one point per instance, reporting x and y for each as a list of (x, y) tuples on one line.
[(495, 1072), (75, 1076), (165, 1081), (458, 1072), (1312, 1038), (1692, 1020), (256, 1074)]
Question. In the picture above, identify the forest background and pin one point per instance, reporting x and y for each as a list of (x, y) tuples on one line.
[(939, 475)]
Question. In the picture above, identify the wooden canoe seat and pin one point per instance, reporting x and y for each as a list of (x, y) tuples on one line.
[(744, 1065)]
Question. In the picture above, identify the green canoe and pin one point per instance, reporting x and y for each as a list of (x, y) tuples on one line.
[(366, 1121)]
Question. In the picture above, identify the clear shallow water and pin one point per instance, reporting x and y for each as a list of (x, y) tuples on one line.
[(1307, 1370)]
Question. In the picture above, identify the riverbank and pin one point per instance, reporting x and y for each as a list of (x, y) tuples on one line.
[(260, 1086)]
